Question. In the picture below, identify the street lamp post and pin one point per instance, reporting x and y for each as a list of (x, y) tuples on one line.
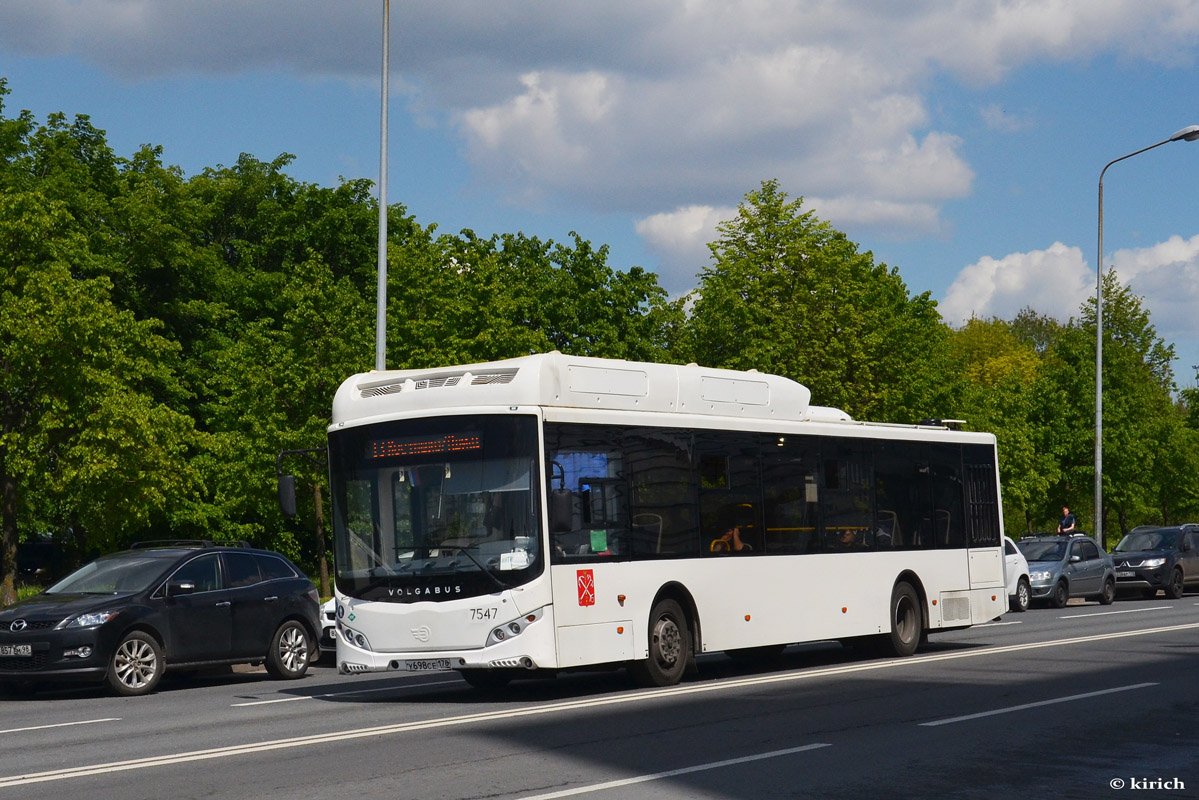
[(1188, 134), (381, 288)]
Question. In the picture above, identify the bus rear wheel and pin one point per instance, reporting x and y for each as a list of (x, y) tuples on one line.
[(669, 647), (907, 620)]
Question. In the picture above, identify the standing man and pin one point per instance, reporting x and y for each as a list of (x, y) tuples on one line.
[(1066, 526)]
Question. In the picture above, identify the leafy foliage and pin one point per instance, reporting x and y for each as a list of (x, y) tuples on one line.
[(162, 338), (788, 294)]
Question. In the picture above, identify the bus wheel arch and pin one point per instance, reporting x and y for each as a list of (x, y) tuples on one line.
[(672, 634)]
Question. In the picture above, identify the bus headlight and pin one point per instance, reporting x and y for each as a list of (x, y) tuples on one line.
[(353, 637), (514, 628)]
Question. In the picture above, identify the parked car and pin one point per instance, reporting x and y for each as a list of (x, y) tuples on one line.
[(1061, 567), (1015, 567), (328, 640), (1151, 558), (126, 618)]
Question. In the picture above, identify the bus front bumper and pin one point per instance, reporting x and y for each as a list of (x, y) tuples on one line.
[(532, 647)]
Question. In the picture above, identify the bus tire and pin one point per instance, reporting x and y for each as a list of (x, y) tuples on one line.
[(669, 647), (907, 620)]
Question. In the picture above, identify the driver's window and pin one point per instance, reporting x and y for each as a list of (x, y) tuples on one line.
[(203, 572)]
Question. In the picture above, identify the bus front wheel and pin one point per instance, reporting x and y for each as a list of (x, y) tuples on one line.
[(907, 620), (669, 647)]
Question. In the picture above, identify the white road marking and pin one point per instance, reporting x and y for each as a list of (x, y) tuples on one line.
[(600, 787), (1109, 613), (1024, 706), (61, 725), (996, 624), (913, 662), (344, 694)]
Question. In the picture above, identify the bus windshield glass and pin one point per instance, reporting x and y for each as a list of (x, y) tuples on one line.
[(435, 509)]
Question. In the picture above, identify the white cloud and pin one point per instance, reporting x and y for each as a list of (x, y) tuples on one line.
[(1167, 276), (1002, 119), (680, 240), (1052, 281), (899, 220), (1057, 282), (656, 104)]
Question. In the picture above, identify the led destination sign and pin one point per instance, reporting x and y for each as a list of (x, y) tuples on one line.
[(423, 445)]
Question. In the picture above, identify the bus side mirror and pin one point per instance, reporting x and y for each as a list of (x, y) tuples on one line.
[(287, 495), (561, 510)]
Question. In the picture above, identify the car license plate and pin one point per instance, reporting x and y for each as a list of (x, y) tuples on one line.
[(1126, 574), (16, 650), (428, 665)]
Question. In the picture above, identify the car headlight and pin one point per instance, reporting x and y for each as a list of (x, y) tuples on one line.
[(1153, 562), (1040, 575), (91, 620)]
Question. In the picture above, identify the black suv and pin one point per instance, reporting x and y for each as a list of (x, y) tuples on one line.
[(127, 617), (1149, 558)]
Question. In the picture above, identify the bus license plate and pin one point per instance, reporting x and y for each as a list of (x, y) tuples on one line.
[(429, 665), (16, 650)]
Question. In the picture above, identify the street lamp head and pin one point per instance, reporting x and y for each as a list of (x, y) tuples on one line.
[(1187, 134)]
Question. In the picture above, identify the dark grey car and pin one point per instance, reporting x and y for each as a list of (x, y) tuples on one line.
[(1061, 567), (1151, 558), (127, 617)]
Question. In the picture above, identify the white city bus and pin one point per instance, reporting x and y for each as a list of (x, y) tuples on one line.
[(554, 512)]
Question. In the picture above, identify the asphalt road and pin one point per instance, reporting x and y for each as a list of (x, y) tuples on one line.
[(1084, 702)]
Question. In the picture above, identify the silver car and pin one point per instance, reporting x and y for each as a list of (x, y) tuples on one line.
[(1061, 567)]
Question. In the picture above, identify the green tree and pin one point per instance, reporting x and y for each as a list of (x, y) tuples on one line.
[(1004, 392), (81, 428), (786, 293), (474, 299), (1137, 386)]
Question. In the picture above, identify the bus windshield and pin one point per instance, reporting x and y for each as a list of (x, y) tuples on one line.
[(435, 509)]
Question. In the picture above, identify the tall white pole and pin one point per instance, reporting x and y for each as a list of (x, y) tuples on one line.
[(1188, 134), (381, 293)]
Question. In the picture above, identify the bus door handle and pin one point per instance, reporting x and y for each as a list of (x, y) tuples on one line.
[(271, 599), (224, 603)]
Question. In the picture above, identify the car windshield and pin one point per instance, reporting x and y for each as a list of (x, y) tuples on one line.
[(1042, 550), (1148, 540), (123, 574)]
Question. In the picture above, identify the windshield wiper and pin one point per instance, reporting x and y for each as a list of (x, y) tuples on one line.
[(466, 552)]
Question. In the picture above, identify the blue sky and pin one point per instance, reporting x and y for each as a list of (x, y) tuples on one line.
[(961, 143)]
